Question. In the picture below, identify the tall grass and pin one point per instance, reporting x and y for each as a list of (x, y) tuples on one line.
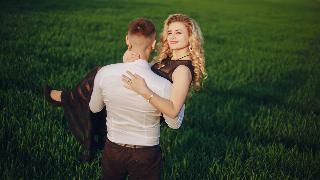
[(256, 117)]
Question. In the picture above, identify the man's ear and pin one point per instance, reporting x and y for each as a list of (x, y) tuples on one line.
[(154, 44), (128, 42)]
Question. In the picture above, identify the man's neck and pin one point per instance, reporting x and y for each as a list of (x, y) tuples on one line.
[(142, 53)]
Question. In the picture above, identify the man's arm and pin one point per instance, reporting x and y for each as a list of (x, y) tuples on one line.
[(96, 103)]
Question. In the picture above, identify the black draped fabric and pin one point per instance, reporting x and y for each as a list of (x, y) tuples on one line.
[(89, 128), (166, 67)]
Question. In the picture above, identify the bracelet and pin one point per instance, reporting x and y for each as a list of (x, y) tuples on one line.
[(150, 97)]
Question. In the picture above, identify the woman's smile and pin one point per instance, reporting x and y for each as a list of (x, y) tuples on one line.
[(173, 42)]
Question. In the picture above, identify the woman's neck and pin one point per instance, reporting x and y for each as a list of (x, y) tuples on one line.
[(180, 53)]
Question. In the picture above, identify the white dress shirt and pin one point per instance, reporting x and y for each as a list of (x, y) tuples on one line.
[(130, 118)]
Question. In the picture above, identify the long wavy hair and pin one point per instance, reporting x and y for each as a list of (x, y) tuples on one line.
[(195, 46)]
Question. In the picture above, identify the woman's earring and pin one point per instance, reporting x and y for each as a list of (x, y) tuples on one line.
[(190, 48)]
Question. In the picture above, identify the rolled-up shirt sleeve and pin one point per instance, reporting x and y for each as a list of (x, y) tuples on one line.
[(96, 103), (176, 122), (173, 123)]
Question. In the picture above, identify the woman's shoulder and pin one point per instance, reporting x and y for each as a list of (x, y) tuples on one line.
[(182, 70), (184, 66)]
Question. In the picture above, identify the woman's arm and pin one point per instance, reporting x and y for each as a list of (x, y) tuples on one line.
[(181, 78), (130, 56)]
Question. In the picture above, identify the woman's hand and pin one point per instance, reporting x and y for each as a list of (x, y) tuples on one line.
[(135, 83), (130, 56)]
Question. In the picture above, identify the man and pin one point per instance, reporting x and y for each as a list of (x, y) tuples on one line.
[(133, 124)]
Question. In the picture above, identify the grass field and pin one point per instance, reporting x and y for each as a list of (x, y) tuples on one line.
[(257, 117)]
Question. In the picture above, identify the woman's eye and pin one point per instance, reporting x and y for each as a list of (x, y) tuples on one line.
[(179, 33)]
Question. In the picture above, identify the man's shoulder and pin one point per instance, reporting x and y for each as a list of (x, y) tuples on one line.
[(111, 67), (160, 79), (159, 82)]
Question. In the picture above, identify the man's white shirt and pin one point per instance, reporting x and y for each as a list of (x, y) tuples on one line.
[(130, 118)]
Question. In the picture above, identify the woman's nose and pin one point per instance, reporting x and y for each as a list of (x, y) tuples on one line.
[(172, 37)]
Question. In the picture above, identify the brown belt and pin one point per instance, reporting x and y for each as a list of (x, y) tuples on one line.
[(131, 146)]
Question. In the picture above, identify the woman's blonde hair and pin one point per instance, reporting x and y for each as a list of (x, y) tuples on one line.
[(195, 46)]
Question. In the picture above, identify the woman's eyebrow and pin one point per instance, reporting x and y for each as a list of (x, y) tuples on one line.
[(175, 30)]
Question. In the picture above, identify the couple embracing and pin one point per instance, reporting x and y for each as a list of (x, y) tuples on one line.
[(127, 100)]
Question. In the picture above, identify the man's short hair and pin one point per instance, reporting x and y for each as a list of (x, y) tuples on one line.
[(141, 27)]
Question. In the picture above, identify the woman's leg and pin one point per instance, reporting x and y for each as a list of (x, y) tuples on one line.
[(89, 129)]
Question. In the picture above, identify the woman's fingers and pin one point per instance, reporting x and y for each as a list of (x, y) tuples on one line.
[(130, 74), (126, 82), (126, 86), (133, 76), (131, 81), (130, 56), (137, 76), (125, 78), (135, 54)]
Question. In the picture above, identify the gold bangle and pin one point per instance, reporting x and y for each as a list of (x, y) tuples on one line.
[(150, 97)]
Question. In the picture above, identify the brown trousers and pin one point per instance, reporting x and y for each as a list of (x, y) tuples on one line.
[(118, 162)]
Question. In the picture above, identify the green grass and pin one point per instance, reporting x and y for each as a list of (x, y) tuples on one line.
[(257, 116)]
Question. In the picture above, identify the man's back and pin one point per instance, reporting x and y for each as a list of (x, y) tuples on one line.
[(130, 118)]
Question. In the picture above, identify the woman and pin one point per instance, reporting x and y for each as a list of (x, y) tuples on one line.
[(180, 59)]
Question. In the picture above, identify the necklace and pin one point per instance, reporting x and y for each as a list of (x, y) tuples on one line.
[(181, 57), (163, 65)]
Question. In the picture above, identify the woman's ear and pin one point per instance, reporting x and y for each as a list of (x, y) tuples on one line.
[(128, 42)]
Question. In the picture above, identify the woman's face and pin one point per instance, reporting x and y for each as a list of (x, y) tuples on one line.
[(178, 36)]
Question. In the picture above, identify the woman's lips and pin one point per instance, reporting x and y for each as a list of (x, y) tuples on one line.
[(173, 42)]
